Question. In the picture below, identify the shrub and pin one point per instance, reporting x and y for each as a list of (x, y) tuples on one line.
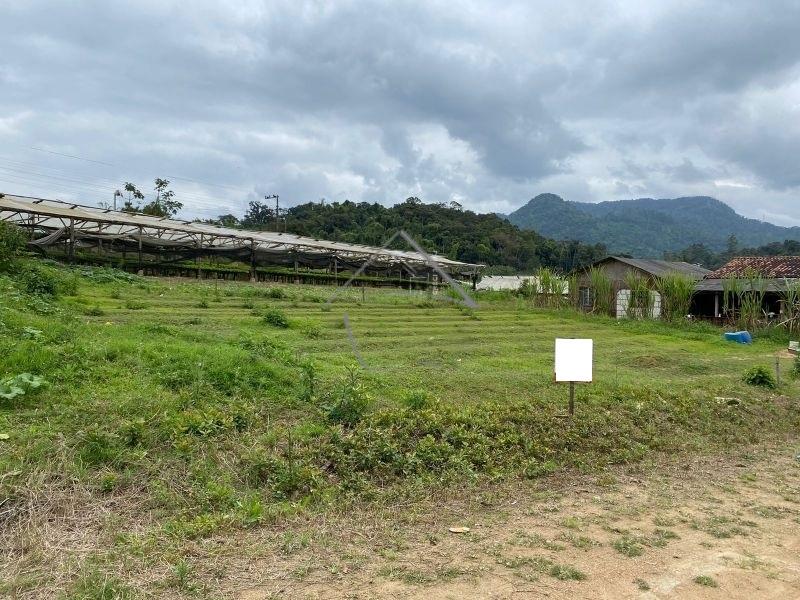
[(44, 281), (12, 241), (760, 375), (276, 318), (203, 303), (347, 403), (94, 311), (275, 292)]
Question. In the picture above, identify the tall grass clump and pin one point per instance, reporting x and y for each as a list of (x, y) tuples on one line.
[(751, 300), (790, 302), (551, 288), (640, 297), (676, 291), (602, 291)]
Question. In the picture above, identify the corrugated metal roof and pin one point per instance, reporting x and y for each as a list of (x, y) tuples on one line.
[(718, 285), (770, 267), (658, 268)]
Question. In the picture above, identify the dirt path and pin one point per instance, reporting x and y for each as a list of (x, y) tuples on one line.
[(722, 527)]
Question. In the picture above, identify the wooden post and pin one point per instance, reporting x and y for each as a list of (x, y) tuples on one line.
[(777, 370), (571, 398), (296, 273), (336, 270)]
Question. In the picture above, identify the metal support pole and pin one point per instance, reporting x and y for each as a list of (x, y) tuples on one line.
[(252, 260), (197, 258), (336, 270), (571, 398), (72, 240), (296, 273), (141, 233)]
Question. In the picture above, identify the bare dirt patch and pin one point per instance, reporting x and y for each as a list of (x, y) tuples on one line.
[(713, 527)]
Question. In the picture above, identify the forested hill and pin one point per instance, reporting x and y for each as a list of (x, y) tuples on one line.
[(647, 227), (443, 229)]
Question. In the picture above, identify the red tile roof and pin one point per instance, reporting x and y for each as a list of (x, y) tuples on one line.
[(770, 267)]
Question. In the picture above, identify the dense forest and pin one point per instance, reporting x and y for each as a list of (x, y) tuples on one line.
[(445, 229), (647, 228)]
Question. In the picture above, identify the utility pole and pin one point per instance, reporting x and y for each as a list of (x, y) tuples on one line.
[(117, 194), (277, 210)]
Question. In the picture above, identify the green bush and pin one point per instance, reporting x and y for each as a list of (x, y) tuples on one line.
[(12, 242), (760, 375), (276, 318), (43, 280), (347, 403), (275, 292)]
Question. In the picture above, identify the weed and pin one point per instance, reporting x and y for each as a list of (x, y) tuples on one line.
[(642, 584), (203, 303), (94, 311), (760, 375), (628, 546), (706, 581), (276, 318), (135, 304), (566, 573)]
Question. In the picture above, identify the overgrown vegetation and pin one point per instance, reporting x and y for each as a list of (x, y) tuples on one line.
[(215, 423)]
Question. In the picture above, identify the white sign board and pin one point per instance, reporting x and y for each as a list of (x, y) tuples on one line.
[(573, 360)]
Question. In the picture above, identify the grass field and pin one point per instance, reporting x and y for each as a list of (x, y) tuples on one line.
[(175, 411)]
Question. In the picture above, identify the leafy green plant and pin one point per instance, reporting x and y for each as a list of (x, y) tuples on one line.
[(276, 318), (94, 311), (19, 385), (761, 376)]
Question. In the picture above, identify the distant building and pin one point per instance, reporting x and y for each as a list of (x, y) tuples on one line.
[(767, 275), (513, 282), (618, 270)]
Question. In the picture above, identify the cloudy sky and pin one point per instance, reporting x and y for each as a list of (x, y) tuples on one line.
[(487, 104)]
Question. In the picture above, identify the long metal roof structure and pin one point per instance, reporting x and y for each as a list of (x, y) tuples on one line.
[(61, 220)]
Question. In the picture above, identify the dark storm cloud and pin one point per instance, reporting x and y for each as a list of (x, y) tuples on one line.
[(487, 104)]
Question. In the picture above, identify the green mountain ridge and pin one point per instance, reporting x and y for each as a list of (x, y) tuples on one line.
[(647, 227)]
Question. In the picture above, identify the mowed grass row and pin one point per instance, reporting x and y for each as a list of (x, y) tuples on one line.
[(195, 410)]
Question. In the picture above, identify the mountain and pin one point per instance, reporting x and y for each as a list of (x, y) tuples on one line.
[(647, 227)]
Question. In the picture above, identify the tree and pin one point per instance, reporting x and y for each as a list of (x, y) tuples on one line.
[(228, 220), (258, 215), (164, 204), (732, 245)]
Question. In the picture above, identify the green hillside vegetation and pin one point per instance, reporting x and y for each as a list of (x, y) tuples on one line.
[(447, 230), (702, 255), (647, 227)]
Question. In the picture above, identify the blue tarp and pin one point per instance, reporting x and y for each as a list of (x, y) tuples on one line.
[(740, 337)]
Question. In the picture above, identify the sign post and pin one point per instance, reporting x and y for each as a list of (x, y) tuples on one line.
[(573, 363)]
